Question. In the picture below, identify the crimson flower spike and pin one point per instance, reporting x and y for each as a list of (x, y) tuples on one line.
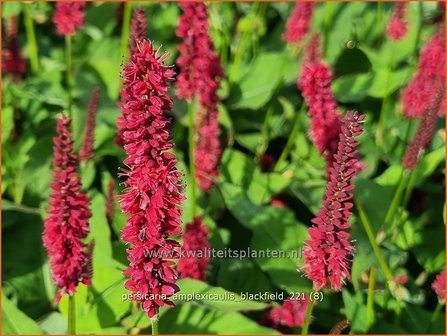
[(69, 17), (67, 225), (200, 75), (426, 128), (315, 85), (152, 196), (13, 61), (138, 29), (299, 22), (398, 25), (195, 241), (327, 253), (86, 152), (290, 314), (439, 285), (420, 91)]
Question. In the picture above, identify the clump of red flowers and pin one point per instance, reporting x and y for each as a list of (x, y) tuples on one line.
[(426, 128), (290, 314), (327, 253), (69, 17), (152, 188), (299, 22), (67, 225), (431, 68), (200, 74), (439, 285), (315, 85), (398, 26), (12, 60), (86, 152), (194, 261)]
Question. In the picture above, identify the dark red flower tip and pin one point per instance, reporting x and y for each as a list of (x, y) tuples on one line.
[(427, 125), (200, 74), (195, 259), (439, 285), (279, 201), (86, 152), (152, 195), (67, 224), (69, 17), (327, 253), (315, 85), (290, 314), (12, 60), (299, 22), (398, 25), (419, 92), (138, 28)]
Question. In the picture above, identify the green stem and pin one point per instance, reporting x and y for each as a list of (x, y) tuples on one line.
[(410, 186), (291, 140), (192, 168), (71, 315), (264, 139), (305, 329), (243, 44), (380, 258), (434, 317), (395, 201), (370, 300), (154, 322), (69, 74), (31, 38), (125, 31), (385, 103)]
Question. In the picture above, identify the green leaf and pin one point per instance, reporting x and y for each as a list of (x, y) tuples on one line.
[(54, 323), (188, 318), (215, 298), (15, 322), (286, 239), (355, 311), (352, 88), (257, 86), (105, 58)]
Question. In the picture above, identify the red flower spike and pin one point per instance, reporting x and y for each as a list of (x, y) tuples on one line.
[(69, 17), (200, 73), (439, 285), (67, 224), (13, 62), (315, 85), (290, 314), (195, 244), (152, 196), (86, 152), (431, 67), (299, 22), (328, 250), (398, 25), (138, 28), (426, 128)]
